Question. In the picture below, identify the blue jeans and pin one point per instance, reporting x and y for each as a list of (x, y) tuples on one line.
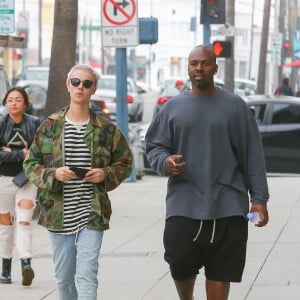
[(75, 258)]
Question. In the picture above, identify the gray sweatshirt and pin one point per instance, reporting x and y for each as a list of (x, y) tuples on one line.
[(221, 146)]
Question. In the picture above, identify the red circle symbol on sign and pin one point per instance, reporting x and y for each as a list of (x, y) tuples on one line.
[(118, 10)]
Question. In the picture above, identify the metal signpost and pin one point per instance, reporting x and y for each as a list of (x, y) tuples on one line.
[(7, 16), (120, 29)]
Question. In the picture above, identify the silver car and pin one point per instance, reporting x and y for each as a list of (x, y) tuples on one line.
[(34, 75), (107, 91), (4, 87)]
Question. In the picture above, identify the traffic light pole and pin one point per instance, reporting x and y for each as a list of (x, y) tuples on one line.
[(206, 34)]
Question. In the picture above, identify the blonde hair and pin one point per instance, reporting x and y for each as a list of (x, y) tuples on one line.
[(84, 67)]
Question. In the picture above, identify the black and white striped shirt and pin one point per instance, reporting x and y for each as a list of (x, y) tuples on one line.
[(78, 194)]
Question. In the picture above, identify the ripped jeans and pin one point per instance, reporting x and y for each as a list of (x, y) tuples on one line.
[(10, 198)]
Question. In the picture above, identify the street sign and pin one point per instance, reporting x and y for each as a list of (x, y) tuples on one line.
[(119, 20), (7, 16)]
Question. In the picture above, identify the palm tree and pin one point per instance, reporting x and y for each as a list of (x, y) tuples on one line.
[(63, 52)]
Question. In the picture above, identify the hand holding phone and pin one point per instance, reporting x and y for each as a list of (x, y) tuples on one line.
[(80, 172)]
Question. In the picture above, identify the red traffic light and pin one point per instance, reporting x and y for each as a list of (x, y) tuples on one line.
[(23, 35), (222, 48), (286, 45)]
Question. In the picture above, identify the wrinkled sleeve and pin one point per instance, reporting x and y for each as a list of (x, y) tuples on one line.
[(38, 166), (250, 151), (158, 143), (14, 156), (121, 162)]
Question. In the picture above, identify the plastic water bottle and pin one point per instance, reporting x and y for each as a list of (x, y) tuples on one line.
[(253, 217)]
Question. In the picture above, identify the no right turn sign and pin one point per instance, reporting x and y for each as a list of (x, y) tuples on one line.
[(119, 23)]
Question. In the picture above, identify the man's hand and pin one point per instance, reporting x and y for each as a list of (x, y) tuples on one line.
[(174, 164), (262, 210), (95, 175), (64, 174)]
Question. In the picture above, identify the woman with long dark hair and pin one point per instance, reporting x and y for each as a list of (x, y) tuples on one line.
[(17, 194)]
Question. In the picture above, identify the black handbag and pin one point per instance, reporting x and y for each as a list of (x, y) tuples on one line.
[(20, 179)]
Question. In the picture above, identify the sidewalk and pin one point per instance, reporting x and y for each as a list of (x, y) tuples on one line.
[(132, 265)]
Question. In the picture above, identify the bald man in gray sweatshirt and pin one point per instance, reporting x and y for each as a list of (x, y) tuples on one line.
[(207, 141)]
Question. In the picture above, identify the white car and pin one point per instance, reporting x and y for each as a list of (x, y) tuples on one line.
[(4, 87), (244, 87), (34, 75), (107, 91)]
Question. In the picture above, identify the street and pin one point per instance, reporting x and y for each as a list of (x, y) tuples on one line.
[(132, 265)]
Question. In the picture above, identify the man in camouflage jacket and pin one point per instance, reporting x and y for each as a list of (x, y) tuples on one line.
[(109, 151), (76, 158)]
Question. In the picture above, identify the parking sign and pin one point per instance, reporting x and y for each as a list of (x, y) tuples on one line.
[(7, 16)]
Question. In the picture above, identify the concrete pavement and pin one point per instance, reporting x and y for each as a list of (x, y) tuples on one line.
[(132, 265)]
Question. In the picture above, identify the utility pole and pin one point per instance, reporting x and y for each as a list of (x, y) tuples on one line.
[(229, 62), (263, 48), (40, 30), (251, 40), (291, 26), (281, 26)]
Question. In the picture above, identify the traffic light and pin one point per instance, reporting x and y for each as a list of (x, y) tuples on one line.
[(213, 12), (286, 49), (222, 48), (15, 55), (23, 33)]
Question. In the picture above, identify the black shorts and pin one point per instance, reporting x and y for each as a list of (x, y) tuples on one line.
[(219, 247)]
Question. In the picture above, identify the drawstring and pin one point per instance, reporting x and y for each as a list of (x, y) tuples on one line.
[(212, 234), (195, 238)]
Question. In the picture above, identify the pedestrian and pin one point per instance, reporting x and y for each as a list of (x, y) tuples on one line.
[(76, 158), (207, 141), (17, 195), (284, 88)]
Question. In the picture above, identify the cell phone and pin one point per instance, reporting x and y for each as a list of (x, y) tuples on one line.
[(80, 172)]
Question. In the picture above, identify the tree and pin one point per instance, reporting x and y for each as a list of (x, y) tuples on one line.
[(63, 53)]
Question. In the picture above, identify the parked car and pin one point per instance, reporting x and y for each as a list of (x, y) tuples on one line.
[(4, 87), (278, 119), (167, 94), (171, 91), (143, 130), (99, 107), (4, 82), (34, 75), (244, 87), (107, 91), (169, 82)]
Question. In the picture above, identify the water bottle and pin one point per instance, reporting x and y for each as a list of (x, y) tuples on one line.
[(253, 217)]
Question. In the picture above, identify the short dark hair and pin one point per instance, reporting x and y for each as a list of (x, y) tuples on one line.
[(285, 80), (17, 89)]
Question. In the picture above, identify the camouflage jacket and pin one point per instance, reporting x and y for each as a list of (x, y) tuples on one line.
[(109, 150)]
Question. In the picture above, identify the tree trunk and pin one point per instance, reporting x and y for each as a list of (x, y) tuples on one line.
[(63, 53), (263, 49)]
